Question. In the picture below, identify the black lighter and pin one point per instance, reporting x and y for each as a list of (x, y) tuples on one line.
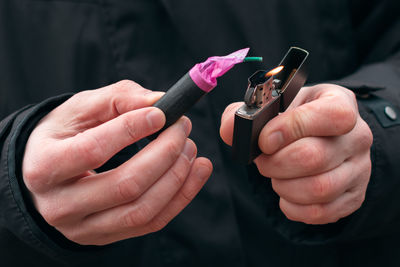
[(268, 94)]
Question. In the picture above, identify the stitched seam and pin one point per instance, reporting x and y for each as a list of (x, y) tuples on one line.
[(109, 36), (12, 175), (35, 239)]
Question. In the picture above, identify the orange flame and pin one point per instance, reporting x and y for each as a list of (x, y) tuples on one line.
[(274, 71)]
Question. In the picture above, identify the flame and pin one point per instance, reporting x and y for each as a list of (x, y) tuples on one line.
[(274, 71)]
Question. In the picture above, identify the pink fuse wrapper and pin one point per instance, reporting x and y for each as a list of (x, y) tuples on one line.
[(205, 74)]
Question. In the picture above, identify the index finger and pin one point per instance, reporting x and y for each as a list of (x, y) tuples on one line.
[(65, 159), (93, 107), (332, 113)]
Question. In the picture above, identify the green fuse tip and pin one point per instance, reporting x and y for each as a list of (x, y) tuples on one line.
[(249, 59)]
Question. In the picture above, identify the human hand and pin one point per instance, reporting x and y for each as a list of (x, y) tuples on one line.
[(138, 197), (317, 154)]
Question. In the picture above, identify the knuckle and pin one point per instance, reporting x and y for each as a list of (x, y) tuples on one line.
[(131, 128), (360, 200), (289, 215), (321, 187), (297, 123), (76, 235), (275, 185), (188, 194), (279, 187), (309, 157), (127, 189), (55, 214), (49, 216), (357, 201), (343, 116), (178, 177), (33, 177), (263, 170), (89, 150), (315, 214), (365, 137), (173, 149), (351, 94), (365, 174), (77, 98), (124, 86), (37, 169), (139, 217), (73, 236), (352, 205)]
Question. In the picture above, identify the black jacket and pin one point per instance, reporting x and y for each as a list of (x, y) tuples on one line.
[(51, 47)]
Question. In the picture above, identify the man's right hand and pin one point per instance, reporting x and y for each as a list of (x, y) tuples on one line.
[(140, 196)]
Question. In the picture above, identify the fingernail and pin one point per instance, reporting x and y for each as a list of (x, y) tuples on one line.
[(187, 126), (155, 118), (274, 141), (153, 96), (202, 172), (189, 151)]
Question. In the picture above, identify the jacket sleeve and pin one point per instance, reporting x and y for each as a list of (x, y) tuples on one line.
[(377, 82), (16, 211)]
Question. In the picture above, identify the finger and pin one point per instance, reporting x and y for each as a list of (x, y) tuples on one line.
[(147, 205), (323, 213), (305, 157), (315, 155), (199, 175), (227, 122), (332, 114), (92, 148), (128, 181), (326, 187), (311, 93), (130, 221), (322, 188), (341, 206), (90, 108), (89, 196), (140, 172)]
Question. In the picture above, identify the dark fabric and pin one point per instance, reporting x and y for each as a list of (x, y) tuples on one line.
[(50, 47)]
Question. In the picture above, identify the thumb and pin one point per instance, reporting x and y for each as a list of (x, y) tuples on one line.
[(326, 116), (227, 122)]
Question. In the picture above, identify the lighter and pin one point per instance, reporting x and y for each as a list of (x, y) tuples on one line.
[(268, 94)]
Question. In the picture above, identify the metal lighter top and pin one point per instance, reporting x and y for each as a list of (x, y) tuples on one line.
[(268, 94)]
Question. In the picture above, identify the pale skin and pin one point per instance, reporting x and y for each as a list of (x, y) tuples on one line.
[(320, 170), (140, 196), (316, 154)]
